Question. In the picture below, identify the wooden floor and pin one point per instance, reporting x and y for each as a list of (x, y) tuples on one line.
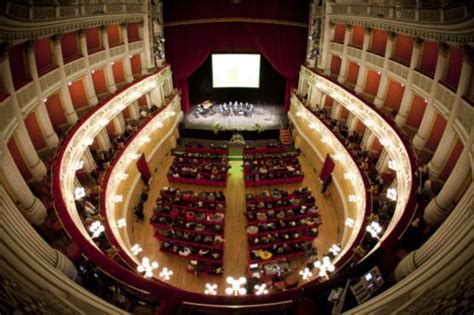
[(236, 249)]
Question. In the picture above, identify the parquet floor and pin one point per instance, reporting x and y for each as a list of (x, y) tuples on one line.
[(236, 249)]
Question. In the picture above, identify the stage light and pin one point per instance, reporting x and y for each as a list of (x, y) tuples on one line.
[(236, 286), (211, 289)]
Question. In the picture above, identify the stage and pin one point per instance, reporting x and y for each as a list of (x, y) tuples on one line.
[(263, 117)]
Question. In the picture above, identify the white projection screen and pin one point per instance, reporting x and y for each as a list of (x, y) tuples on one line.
[(235, 70)]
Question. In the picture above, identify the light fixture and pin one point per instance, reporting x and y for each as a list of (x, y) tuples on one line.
[(121, 223), (335, 250), (133, 156), (313, 126), (385, 142), (236, 286), (145, 139), (158, 125), (349, 222), (166, 274), (79, 192), (78, 165), (305, 273), (325, 139), (147, 267), (369, 123), (96, 228), (112, 63), (92, 71), (374, 229), (211, 289), (117, 198), (338, 157), (352, 198), (325, 266), (103, 122), (136, 249), (392, 194), (261, 289), (87, 141), (349, 176), (300, 113), (122, 176), (392, 165), (45, 100)]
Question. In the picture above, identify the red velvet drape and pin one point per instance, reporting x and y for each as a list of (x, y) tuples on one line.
[(188, 46), (142, 166)]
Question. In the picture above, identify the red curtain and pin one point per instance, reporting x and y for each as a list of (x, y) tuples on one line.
[(328, 167), (142, 166), (188, 46)]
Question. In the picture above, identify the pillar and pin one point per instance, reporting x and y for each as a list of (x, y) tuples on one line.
[(89, 162), (405, 104), (352, 122), (127, 67), (426, 123), (336, 110), (156, 97), (382, 89), (368, 139), (328, 35), (147, 37), (361, 75), (119, 124), (315, 97), (343, 72), (88, 82), (103, 140), (28, 152), (50, 137), (440, 206), (448, 139), (382, 162), (109, 75), (30, 206), (66, 101), (134, 110)]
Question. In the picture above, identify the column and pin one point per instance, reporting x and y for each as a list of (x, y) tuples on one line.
[(30, 206), (64, 264), (405, 104), (109, 75), (147, 37), (336, 110), (382, 89), (425, 127), (315, 97), (119, 124), (440, 206), (352, 122), (368, 139), (134, 110), (448, 242), (361, 75), (127, 67), (66, 101), (347, 36), (155, 97), (323, 100), (448, 139), (328, 35), (28, 152), (50, 137), (103, 140), (382, 162), (88, 82), (89, 162)]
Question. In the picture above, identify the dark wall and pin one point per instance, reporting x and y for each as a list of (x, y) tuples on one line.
[(271, 90)]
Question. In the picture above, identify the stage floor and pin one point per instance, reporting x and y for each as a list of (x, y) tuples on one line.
[(265, 116)]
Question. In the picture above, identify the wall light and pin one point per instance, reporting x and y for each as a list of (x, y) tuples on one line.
[(78, 165), (261, 289), (166, 274), (79, 192), (96, 228), (305, 273), (121, 223), (117, 198), (325, 266), (374, 229), (352, 198), (147, 267), (392, 165), (392, 194), (349, 222), (122, 176), (87, 141), (349, 176), (335, 250), (136, 249)]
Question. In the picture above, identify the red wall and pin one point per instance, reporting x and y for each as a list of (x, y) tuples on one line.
[(93, 40), (18, 66), (403, 49), (142, 101), (394, 95), (357, 36), (110, 128), (360, 128), (34, 131), (372, 82), (100, 84), (335, 65), (377, 146), (352, 72), (379, 41), (132, 32), (113, 33), (429, 57), (136, 64), (78, 94), (339, 32), (329, 101), (457, 150), (344, 113), (117, 69), (417, 110), (436, 132), (454, 66), (43, 55), (55, 110), (20, 163), (70, 47)]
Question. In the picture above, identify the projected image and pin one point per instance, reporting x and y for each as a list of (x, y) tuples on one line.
[(235, 70)]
